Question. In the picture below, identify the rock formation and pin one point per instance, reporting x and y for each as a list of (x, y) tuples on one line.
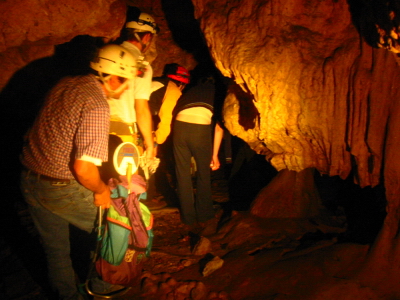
[(315, 83), (325, 99)]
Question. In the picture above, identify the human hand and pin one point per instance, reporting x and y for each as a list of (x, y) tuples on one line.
[(103, 199), (215, 164)]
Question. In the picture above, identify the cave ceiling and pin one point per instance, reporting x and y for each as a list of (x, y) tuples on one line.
[(311, 90)]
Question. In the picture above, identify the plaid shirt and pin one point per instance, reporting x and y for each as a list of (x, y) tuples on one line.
[(73, 122)]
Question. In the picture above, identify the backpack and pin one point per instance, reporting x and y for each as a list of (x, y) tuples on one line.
[(127, 237)]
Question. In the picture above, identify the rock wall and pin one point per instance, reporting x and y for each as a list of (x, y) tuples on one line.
[(324, 97), (31, 28)]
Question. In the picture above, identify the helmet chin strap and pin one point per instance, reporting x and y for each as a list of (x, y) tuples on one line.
[(112, 93), (118, 91), (144, 46)]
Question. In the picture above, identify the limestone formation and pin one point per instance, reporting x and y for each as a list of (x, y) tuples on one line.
[(315, 83)]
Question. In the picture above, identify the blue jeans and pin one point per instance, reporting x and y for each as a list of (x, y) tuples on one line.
[(52, 209)]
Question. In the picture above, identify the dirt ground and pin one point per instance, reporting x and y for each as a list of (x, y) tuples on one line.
[(244, 260), (289, 264)]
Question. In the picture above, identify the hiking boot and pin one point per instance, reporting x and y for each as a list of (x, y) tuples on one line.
[(100, 287), (114, 289)]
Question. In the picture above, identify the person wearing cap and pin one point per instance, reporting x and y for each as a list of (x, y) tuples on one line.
[(60, 180), (167, 90), (133, 108), (192, 137)]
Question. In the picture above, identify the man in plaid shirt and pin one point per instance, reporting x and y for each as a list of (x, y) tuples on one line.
[(69, 139)]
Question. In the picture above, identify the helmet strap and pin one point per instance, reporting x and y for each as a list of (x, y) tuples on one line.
[(120, 88), (140, 41), (144, 46), (111, 92)]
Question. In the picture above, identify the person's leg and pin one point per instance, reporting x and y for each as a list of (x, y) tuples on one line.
[(152, 201), (166, 190), (182, 169), (52, 209), (54, 232), (201, 146), (165, 174)]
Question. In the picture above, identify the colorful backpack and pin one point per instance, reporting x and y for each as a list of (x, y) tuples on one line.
[(127, 237)]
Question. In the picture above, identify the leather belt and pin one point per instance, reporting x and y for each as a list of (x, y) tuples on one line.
[(48, 178)]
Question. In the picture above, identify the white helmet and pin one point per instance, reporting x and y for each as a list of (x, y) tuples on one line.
[(114, 60), (145, 23)]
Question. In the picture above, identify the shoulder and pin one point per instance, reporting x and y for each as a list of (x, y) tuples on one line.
[(91, 92), (131, 48), (172, 88)]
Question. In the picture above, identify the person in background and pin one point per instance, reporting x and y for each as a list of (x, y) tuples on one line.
[(166, 93), (167, 90), (192, 137), (69, 139), (132, 108)]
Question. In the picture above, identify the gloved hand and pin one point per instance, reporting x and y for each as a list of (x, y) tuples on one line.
[(148, 163), (144, 161), (153, 167)]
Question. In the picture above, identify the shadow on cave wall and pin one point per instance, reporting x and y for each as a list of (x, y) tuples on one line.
[(250, 172), (364, 208), (185, 28)]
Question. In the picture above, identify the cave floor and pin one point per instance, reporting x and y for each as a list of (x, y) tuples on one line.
[(312, 270)]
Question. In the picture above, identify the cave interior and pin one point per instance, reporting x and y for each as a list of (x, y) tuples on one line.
[(347, 146)]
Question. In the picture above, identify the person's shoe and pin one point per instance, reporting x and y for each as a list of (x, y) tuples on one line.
[(100, 287), (114, 289)]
